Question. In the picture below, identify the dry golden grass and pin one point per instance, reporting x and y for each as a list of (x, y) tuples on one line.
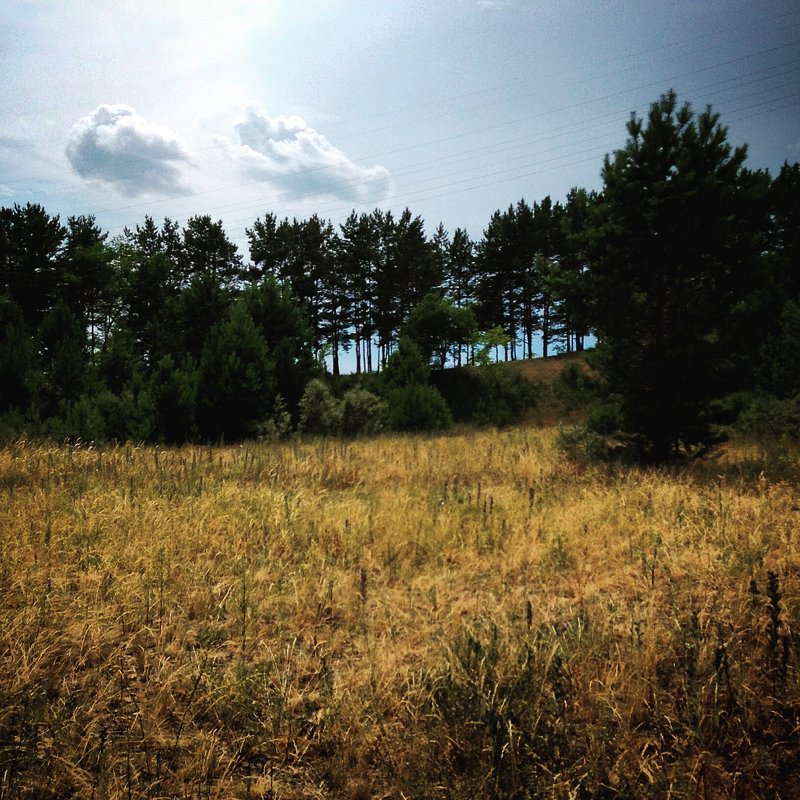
[(464, 616)]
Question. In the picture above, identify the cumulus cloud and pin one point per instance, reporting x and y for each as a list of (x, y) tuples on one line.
[(115, 145), (285, 152)]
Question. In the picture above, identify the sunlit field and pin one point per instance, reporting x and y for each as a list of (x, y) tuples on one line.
[(472, 615)]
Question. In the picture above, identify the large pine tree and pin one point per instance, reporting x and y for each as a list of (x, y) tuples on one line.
[(670, 260)]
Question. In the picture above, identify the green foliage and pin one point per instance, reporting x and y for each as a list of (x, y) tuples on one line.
[(496, 394), (488, 343), (278, 424), (358, 413), (320, 411), (599, 438), (194, 312), (29, 264), (685, 267), (439, 328), (362, 413), (173, 392), (236, 382), (411, 404), (406, 367), (574, 388), (416, 407), (669, 256), (123, 418), (117, 362), (77, 420), (289, 338), (17, 358), (63, 348), (772, 418), (780, 366), (209, 251)]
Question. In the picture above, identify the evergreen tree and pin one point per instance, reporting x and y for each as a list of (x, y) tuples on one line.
[(17, 359), (497, 287), (668, 258), (572, 279), (361, 252), (459, 275), (236, 378), (784, 205), (193, 313), (31, 243), (64, 355), (209, 251), (301, 255), (173, 393), (281, 321), (88, 277), (459, 269), (153, 272), (412, 404)]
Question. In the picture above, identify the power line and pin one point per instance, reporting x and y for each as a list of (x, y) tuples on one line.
[(727, 85), (279, 196), (553, 134)]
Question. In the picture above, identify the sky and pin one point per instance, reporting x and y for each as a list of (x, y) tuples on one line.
[(452, 108)]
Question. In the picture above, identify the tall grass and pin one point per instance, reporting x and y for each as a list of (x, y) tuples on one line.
[(464, 616)]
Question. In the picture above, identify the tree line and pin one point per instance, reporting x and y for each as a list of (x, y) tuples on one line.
[(684, 267)]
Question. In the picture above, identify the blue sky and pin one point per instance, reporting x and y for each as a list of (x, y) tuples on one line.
[(454, 108)]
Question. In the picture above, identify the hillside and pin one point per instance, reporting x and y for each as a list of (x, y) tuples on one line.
[(546, 370)]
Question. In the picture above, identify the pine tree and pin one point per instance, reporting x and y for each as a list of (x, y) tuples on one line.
[(236, 378), (281, 321), (668, 258), (31, 243)]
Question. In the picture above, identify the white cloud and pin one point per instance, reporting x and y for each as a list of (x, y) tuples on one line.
[(285, 152), (115, 145)]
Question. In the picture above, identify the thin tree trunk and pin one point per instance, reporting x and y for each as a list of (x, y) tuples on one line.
[(545, 328)]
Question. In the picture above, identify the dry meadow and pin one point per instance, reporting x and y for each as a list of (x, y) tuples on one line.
[(465, 616)]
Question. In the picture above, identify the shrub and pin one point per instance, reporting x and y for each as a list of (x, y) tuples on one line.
[(362, 413), (505, 395), (772, 417), (406, 366), (574, 388), (599, 438), (320, 411), (491, 395), (278, 425), (78, 420), (417, 408)]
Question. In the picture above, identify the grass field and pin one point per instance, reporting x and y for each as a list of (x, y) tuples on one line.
[(465, 616)]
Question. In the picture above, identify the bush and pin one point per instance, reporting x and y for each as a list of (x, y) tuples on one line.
[(362, 413), (495, 394), (574, 389), (78, 420), (417, 408), (599, 438), (320, 411), (278, 425), (406, 367), (771, 417)]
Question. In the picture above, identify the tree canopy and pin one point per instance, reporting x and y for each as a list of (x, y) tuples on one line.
[(671, 258), (684, 267)]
